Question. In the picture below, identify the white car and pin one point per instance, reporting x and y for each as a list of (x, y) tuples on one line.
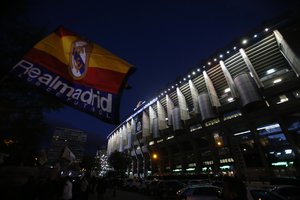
[(199, 192)]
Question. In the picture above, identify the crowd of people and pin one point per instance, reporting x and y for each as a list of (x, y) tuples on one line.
[(88, 187), (67, 188)]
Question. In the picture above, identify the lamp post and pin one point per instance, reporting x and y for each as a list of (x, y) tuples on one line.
[(153, 158)]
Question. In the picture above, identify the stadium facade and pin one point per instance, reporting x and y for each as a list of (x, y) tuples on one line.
[(237, 113)]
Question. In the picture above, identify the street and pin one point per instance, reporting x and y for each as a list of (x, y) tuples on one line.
[(122, 195)]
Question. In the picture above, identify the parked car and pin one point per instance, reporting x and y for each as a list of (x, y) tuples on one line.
[(198, 182), (130, 184), (284, 181), (262, 194), (168, 188), (289, 192), (142, 185), (151, 188), (199, 192)]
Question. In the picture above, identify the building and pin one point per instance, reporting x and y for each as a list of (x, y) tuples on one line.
[(237, 113), (74, 139)]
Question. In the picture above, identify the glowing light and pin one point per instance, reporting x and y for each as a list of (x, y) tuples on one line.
[(288, 151), (280, 164), (170, 137), (277, 80), (255, 36), (227, 90), (209, 63), (270, 71), (283, 98), (221, 55), (266, 29), (154, 156), (190, 169), (244, 41), (230, 99)]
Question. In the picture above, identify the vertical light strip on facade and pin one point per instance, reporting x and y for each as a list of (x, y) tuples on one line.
[(146, 125), (184, 112), (251, 69), (161, 113), (152, 115), (211, 91), (229, 80), (194, 93), (170, 107), (288, 53)]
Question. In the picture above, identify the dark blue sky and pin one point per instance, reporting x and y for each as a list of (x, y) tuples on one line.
[(163, 39)]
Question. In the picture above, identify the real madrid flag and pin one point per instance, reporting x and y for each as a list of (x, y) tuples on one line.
[(80, 73)]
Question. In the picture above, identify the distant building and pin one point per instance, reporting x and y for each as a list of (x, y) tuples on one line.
[(62, 137)]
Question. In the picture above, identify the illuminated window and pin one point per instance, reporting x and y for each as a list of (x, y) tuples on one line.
[(212, 122)]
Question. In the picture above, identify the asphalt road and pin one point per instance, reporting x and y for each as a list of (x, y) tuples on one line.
[(121, 195)]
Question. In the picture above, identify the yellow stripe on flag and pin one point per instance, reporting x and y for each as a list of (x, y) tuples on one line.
[(99, 58), (102, 58)]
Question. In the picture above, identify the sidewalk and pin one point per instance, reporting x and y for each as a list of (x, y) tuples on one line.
[(121, 195)]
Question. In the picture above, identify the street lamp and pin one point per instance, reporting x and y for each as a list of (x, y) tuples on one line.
[(154, 156)]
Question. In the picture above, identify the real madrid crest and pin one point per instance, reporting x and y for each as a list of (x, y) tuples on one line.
[(79, 57)]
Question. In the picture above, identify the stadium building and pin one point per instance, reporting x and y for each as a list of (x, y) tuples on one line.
[(237, 113)]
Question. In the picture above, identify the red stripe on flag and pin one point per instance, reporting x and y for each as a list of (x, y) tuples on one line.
[(112, 80), (61, 32), (101, 79)]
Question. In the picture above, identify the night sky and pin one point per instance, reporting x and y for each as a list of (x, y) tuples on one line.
[(163, 39)]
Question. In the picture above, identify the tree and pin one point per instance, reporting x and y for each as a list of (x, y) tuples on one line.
[(21, 105), (120, 161), (88, 162)]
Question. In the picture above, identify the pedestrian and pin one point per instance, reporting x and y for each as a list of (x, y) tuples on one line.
[(30, 189), (114, 188), (67, 189), (101, 188), (84, 188)]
